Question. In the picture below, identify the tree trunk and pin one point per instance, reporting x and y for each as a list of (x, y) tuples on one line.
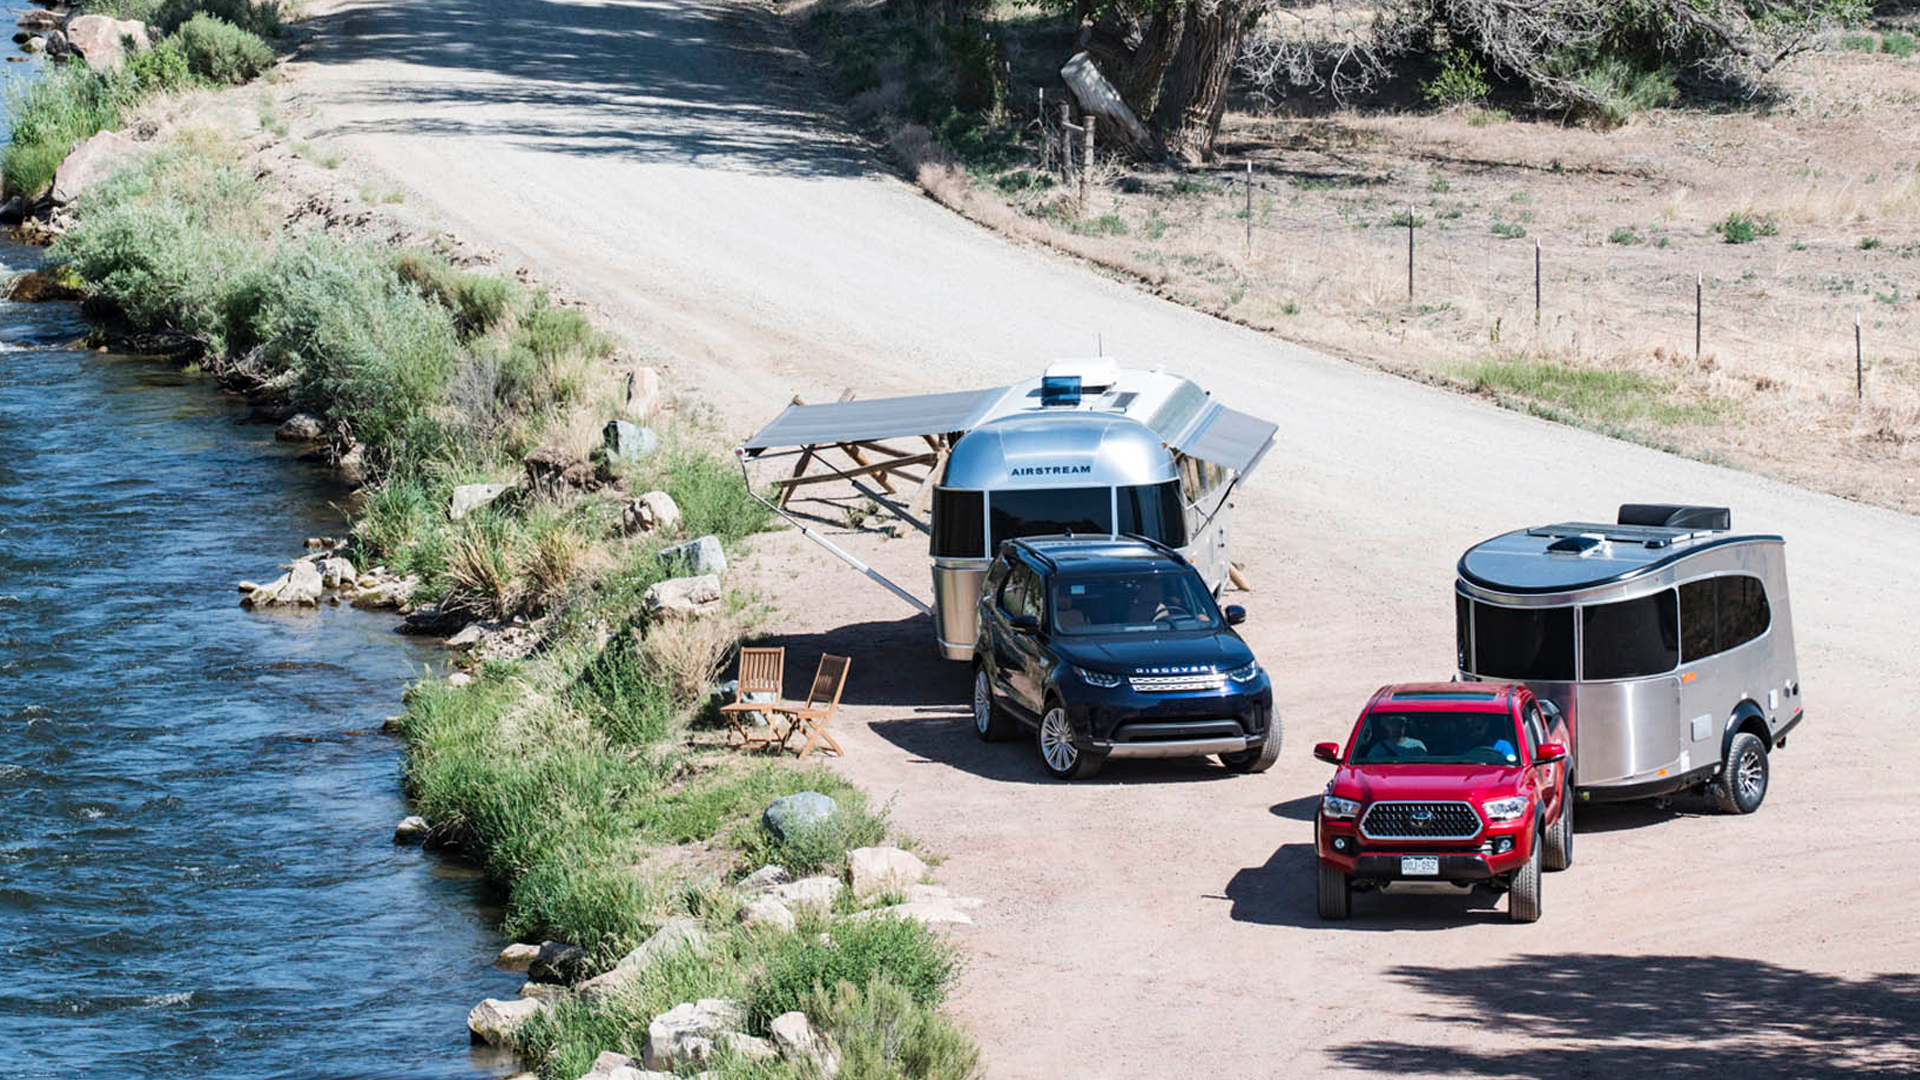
[(1195, 91), (1136, 70)]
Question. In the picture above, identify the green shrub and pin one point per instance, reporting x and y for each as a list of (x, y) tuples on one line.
[(1508, 230), (884, 1034), (479, 302), (49, 115), (256, 18), (551, 333), (123, 9), (858, 950), (1899, 43), (1741, 227), (1613, 88), (1625, 234), (1868, 243), (1461, 81), (712, 496), (220, 52), (1858, 42), (161, 69)]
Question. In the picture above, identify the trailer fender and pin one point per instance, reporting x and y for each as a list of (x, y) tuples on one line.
[(1746, 716)]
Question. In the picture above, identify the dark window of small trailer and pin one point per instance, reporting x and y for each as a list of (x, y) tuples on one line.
[(958, 524), (1524, 644), (1051, 512), (1630, 638), (1462, 633), (1155, 511), (1722, 613)]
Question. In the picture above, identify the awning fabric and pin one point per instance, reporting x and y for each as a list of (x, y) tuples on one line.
[(1228, 438), (881, 418)]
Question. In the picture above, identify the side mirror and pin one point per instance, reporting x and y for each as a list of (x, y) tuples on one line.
[(1026, 624), (1548, 752), (1236, 614), (1328, 752)]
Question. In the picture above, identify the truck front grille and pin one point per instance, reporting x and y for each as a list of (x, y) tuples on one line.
[(1420, 821), (1168, 684)]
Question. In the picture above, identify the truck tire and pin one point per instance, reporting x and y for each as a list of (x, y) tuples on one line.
[(1523, 896), (1058, 754), (1335, 892), (1742, 783), (1260, 758), (990, 721), (1559, 853)]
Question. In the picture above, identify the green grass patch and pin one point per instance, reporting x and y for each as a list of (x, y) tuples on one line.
[(1625, 235), (1742, 227), (221, 53), (909, 955), (1509, 230), (1592, 394), (1899, 43)]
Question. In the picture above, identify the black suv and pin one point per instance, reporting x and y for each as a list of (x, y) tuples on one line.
[(1115, 648)]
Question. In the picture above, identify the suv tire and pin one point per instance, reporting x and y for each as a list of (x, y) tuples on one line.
[(1742, 783), (1523, 895), (1062, 759), (1335, 893), (990, 721), (1260, 758), (1559, 841)]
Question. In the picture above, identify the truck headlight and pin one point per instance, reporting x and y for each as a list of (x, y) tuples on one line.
[(1505, 809), (1097, 678), (1336, 808), (1247, 673)]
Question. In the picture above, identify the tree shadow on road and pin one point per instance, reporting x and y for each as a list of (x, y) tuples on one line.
[(1667, 1016), (711, 84)]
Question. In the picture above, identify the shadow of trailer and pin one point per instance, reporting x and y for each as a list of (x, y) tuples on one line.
[(1665, 638), (1087, 449)]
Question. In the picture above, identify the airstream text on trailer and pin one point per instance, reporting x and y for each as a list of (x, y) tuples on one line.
[(1665, 638), (1088, 449)]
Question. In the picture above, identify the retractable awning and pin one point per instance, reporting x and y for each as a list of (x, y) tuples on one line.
[(881, 418), (1225, 437)]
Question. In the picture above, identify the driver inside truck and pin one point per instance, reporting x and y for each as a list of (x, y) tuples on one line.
[(1494, 730)]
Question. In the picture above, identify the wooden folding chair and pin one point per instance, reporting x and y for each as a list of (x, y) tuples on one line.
[(813, 716), (756, 695)]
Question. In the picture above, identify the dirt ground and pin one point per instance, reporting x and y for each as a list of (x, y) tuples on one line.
[(662, 160)]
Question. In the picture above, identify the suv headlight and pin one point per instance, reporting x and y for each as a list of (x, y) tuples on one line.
[(1245, 674), (1337, 808), (1097, 678), (1505, 809)]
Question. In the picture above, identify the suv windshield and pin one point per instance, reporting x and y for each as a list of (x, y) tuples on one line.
[(1437, 738), (1133, 602)]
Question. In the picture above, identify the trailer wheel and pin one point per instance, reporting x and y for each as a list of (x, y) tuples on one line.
[(1742, 783), (1260, 758), (1335, 892), (1523, 897), (990, 721), (1559, 854)]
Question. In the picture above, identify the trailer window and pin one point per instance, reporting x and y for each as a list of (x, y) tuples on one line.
[(1051, 512), (1631, 638), (959, 524), (1721, 613), (1154, 511), (1523, 644), (1462, 633)]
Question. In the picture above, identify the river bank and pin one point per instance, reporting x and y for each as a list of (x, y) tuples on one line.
[(510, 481)]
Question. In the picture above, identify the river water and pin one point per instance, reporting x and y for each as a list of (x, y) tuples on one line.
[(196, 802)]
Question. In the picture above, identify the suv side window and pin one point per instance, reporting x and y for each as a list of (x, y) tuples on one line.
[(1029, 591), (1012, 588)]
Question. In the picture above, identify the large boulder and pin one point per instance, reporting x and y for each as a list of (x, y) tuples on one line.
[(624, 440), (42, 286), (768, 911), (470, 497), (101, 41), (611, 1065), (684, 598), (518, 956), (676, 934), (494, 1020), (557, 962), (336, 572), (300, 585), (789, 815), (301, 427), (794, 1036), (91, 162), (686, 1034), (643, 392), (873, 871), (764, 878), (817, 893), (378, 591), (655, 510), (695, 557), (413, 829), (555, 472), (35, 19)]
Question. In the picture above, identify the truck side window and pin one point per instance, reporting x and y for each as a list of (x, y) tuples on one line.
[(1531, 721)]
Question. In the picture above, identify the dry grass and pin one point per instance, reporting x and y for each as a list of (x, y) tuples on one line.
[(688, 655)]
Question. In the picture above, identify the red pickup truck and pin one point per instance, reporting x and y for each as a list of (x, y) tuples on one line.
[(1464, 783)]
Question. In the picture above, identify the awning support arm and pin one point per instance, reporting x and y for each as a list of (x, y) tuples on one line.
[(741, 457)]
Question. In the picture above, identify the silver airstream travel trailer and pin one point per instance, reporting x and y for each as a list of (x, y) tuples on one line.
[(1665, 638), (1088, 448)]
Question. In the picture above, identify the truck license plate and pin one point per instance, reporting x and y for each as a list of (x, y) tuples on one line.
[(1420, 865)]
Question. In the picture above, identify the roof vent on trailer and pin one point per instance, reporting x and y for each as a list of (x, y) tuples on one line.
[(1096, 375), (1582, 545), (1715, 518)]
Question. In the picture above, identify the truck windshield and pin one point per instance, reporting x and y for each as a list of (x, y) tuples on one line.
[(1133, 602), (1437, 738)]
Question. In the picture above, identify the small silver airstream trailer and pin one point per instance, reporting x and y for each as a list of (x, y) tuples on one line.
[(1665, 638), (1089, 448)]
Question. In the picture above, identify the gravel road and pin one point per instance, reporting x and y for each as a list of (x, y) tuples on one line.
[(660, 160)]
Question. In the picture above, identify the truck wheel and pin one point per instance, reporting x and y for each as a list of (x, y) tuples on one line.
[(1559, 853), (1742, 782), (1336, 892), (1063, 760), (990, 721), (1523, 897), (1260, 758)]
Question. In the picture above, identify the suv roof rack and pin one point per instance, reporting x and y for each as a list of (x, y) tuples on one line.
[(1157, 545)]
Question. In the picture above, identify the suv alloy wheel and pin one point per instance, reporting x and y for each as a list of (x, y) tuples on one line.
[(990, 721), (1058, 753)]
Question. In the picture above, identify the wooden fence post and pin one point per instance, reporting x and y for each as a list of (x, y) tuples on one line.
[(1086, 162)]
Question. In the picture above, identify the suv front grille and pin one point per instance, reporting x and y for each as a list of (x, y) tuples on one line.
[(1167, 684), (1420, 821)]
